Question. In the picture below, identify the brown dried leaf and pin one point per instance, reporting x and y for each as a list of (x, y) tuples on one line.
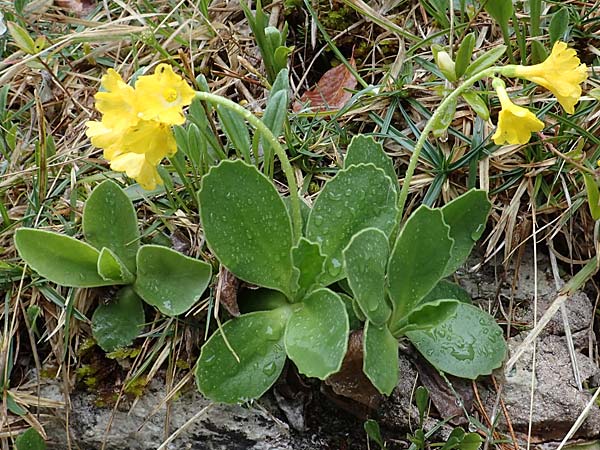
[(80, 8), (227, 291), (351, 381), (331, 92)]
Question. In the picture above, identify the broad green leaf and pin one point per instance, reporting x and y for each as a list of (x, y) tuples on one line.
[(466, 215), (274, 118), (538, 52), (477, 104), (365, 259), (443, 121), (486, 60), (427, 315), (236, 130), (118, 323), (380, 362), (247, 225), (170, 280), (467, 344), (559, 24), (111, 268), (364, 150), (358, 197), (30, 440), (309, 263), (257, 340), (417, 264), (447, 289), (464, 54), (60, 259), (316, 336), (421, 400), (109, 220), (593, 195)]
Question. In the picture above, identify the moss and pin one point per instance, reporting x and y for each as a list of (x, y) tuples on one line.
[(123, 353)]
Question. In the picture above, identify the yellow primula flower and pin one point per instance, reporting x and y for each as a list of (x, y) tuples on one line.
[(118, 103), (515, 124), (135, 131), (136, 166), (163, 95), (561, 73)]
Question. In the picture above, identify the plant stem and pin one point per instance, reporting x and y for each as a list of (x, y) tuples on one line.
[(274, 143), (429, 126)]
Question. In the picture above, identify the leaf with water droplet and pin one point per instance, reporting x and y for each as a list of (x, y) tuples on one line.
[(109, 220), (254, 242), (316, 336), (376, 209), (309, 261), (170, 280), (364, 149), (366, 258), (222, 378), (462, 348), (381, 358), (417, 263)]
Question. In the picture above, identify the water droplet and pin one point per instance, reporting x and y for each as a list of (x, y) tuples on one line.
[(318, 220)]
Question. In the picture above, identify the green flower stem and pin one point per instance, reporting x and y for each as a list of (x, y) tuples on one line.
[(435, 117), (272, 140)]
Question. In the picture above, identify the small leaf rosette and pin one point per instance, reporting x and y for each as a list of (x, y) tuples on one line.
[(135, 131)]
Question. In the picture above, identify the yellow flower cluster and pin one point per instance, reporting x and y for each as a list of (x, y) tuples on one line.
[(135, 131), (561, 73)]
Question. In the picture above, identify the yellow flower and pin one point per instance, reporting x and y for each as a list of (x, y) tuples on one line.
[(118, 103), (515, 124), (137, 167), (162, 96), (561, 73), (135, 131)]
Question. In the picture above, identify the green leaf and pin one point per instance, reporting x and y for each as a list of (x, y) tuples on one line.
[(275, 114), (60, 259), (500, 10), (118, 323), (365, 259), (372, 429), (486, 60), (466, 215), (428, 315), (252, 300), (21, 37), (417, 264), (364, 150), (421, 399), (358, 197), (111, 268), (316, 336), (477, 104), (30, 440), (13, 406), (169, 280), (109, 220), (593, 195), (470, 441), (467, 344), (559, 24), (236, 130), (447, 289), (443, 121), (309, 261), (257, 340), (246, 225), (464, 54), (538, 52), (380, 362)]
